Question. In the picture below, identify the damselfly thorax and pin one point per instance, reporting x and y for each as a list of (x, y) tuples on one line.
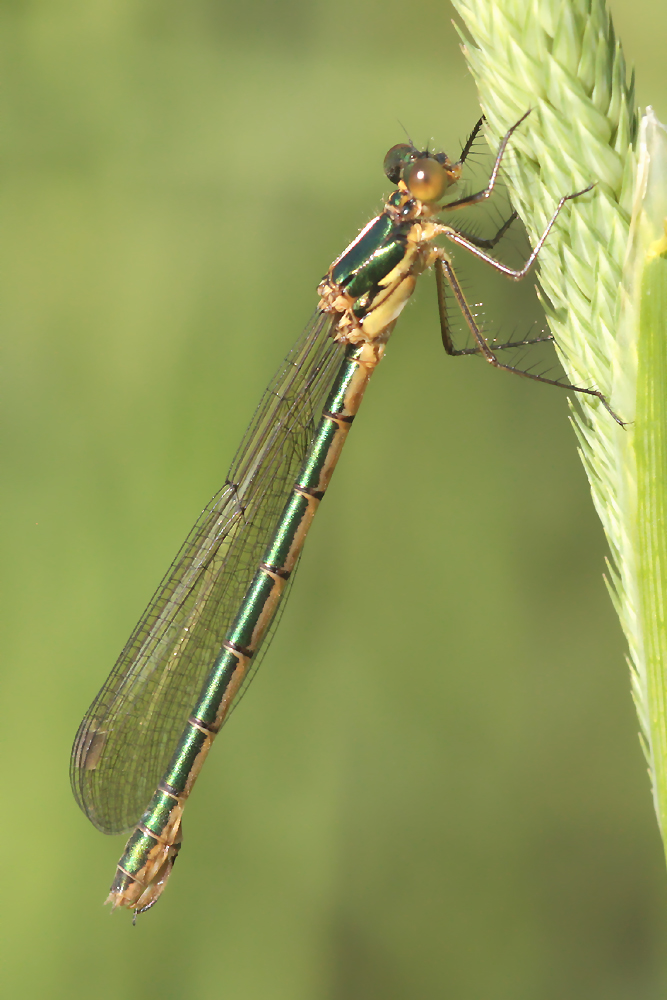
[(144, 739)]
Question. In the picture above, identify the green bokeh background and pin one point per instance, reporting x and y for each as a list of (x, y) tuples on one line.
[(435, 787)]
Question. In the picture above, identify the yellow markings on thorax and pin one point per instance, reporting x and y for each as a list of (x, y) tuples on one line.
[(379, 320), (396, 288)]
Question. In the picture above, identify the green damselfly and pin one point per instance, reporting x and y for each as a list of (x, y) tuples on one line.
[(144, 739)]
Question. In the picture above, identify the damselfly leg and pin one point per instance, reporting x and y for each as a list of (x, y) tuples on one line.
[(478, 247), (146, 735), (473, 199)]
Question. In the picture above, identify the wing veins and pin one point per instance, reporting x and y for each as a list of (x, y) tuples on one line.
[(129, 732)]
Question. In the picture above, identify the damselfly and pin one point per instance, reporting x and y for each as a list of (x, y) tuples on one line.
[(144, 739)]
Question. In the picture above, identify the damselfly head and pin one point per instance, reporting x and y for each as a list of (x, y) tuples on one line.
[(426, 179), (426, 175), (399, 156)]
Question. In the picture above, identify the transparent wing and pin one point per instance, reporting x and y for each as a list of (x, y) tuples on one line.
[(127, 737)]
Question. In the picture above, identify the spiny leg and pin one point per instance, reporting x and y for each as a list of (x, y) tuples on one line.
[(546, 339), (470, 141), (447, 340), (443, 266), (472, 246), (490, 243), (472, 199)]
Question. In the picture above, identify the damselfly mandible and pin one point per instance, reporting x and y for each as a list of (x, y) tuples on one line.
[(144, 739)]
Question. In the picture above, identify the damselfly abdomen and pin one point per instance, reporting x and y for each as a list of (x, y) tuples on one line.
[(144, 739)]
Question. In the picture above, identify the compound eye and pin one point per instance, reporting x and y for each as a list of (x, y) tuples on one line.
[(396, 159), (426, 179)]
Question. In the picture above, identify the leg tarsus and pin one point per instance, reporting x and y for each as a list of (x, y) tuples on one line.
[(482, 195), (463, 241), (443, 269)]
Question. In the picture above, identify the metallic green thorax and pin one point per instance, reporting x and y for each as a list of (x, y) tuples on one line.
[(363, 293), (235, 564), (376, 251), (204, 627)]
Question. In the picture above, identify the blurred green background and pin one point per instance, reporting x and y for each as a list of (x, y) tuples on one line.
[(435, 787)]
